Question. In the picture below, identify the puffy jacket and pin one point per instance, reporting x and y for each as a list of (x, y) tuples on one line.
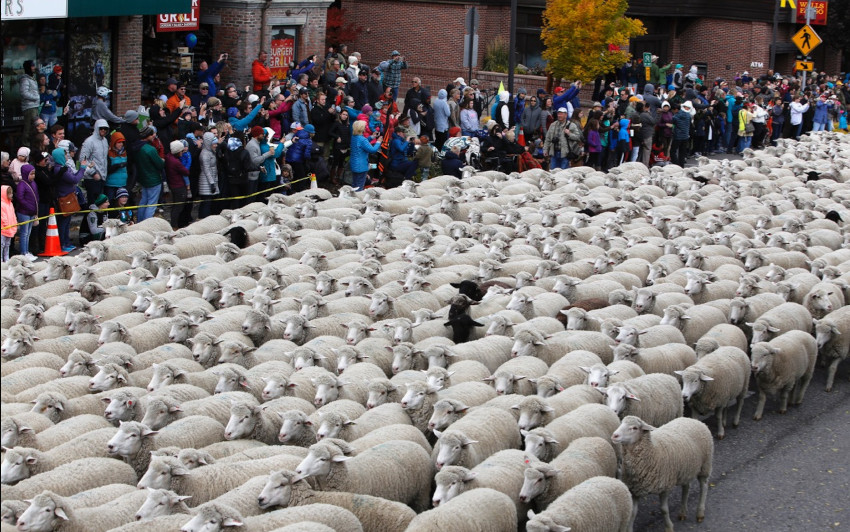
[(208, 182), (208, 76), (682, 125), (174, 172), (360, 150), (30, 97), (26, 197), (241, 124), (261, 73), (300, 150), (268, 164), (532, 119), (441, 112), (821, 112), (398, 150), (650, 99), (9, 219), (452, 164)]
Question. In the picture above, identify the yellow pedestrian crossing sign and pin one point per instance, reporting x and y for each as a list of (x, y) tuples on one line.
[(806, 39)]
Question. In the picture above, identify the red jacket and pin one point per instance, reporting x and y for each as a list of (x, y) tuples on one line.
[(262, 75), (174, 172)]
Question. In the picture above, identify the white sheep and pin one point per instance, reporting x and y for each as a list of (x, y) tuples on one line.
[(339, 425), (723, 334), (783, 365), (549, 441), (310, 518), (87, 473), (655, 396), (535, 411), (656, 460), (600, 375), (514, 376), (397, 470), (833, 337), (419, 399), (822, 299), (584, 458), (600, 503), (476, 509), (49, 511), (694, 321), (654, 336), (551, 348), (479, 434), (779, 320)]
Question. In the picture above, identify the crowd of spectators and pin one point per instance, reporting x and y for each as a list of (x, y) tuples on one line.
[(334, 119)]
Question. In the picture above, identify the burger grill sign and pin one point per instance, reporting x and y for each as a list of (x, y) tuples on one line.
[(180, 21)]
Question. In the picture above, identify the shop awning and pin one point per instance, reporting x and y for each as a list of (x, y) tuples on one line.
[(100, 8)]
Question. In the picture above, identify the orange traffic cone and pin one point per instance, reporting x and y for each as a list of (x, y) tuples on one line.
[(521, 138), (52, 247)]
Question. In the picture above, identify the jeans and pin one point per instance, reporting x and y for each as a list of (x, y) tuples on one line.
[(24, 232), (679, 151), (6, 246), (556, 161), (819, 126), (426, 171), (407, 168), (358, 180), (63, 225), (205, 208), (777, 130), (150, 196), (798, 129), (178, 198), (744, 143)]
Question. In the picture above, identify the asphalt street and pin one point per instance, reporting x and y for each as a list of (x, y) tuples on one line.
[(786, 472)]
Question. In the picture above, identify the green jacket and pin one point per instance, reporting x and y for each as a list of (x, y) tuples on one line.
[(660, 77), (149, 167)]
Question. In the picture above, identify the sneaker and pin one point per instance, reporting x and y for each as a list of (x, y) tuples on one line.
[(30, 257), (68, 249)]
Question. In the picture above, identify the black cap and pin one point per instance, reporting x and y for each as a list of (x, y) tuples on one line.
[(302, 90)]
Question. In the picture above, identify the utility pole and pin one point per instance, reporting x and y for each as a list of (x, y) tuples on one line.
[(775, 33), (512, 48), (808, 19)]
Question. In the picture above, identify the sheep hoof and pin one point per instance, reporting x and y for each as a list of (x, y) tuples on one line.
[(783, 411), (721, 436), (756, 418), (700, 518), (682, 517), (829, 389)]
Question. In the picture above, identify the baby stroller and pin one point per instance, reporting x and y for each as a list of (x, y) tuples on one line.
[(470, 150)]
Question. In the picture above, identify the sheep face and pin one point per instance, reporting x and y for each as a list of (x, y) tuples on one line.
[(161, 471), (358, 287), (820, 302), (378, 393), (762, 331), (229, 380), (451, 482), (15, 465), (693, 381), (415, 395), (437, 356), (762, 357), (158, 308), (696, 284), (536, 442), (498, 326), (630, 431), (738, 310), (230, 297), (616, 397), (212, 518), (295, 425), (547, 386), (277, 491), (275, 249), (825, 332), (80, 276), (17, 344), (332, 425), (445, 413), (160, 502), (534, 481), (327, 390), (178, 279), (11, 432), (255, 324), (526, 345), (325, 284), (233, 352), (452, 449), (295, 331), (597, 375), (158, 412), (44, 513), (381, 305), (120, 407), (243, 419), (142, 301), (110, 376), (162, 375), (127, 442), (318, 461), (275, 387), (532, 412)]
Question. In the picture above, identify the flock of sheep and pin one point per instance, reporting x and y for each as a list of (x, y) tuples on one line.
[(495, 353)]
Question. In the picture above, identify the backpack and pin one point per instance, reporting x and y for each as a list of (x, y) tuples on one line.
[(235, 164)]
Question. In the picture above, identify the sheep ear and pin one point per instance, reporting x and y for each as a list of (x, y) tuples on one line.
[(773, 329), (585, 369), (491, 378), (60, 513), (705, 378), (749, 324), (646, 426), (632, 396), (680, 372), (340, 458), (231, 521)]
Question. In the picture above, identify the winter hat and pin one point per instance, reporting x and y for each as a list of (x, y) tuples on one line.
[(665, 104), (454, 131), (191, 136), (101, 199), (367, 109), (26, 169), (57, 69), (490, 124), (521, 91), (232, 112), (38, 156), (395, 53), (170, 81), (257, 131), (176, 147), (212, 101), (131, 116), (66, 145), (23, 150), (310, 129), (679, 65), (122, 193), (253, 98), (460, 80), (687, 105), (146, 132)]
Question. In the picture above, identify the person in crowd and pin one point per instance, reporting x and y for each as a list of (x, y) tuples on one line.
[(122, 212), (681, 134), (30, 97), (207, 74), (92, 227), (149, 167), (340, 135), (208, 181), (322, 117), (297, 155), (26, 209), (745, 127), (8, 219), (555, 148), (66, 178), (100, 109), (178, 97), (257, 160), (469, 124), (46, 194), (260, 71), (361, 148), (532, 120), (646, 131), (392, 72), (177, 177), (21, 159), (95, 150), (442, 114)]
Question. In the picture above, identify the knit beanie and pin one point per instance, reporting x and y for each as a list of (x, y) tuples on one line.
[(176, 147)]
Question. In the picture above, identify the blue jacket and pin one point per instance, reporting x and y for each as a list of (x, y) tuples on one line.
[(441, 112), (682, 125), (452, 164), (360, 150), (303, 67), (569, 95), (268, 164), (241, 124), (300, 150), (208, 76), (398, 150), (820, 116)]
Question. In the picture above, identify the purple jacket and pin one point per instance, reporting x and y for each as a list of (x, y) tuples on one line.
[(26, 198), (66, 180)]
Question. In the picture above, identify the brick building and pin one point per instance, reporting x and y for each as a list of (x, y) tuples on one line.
[(727, 36)]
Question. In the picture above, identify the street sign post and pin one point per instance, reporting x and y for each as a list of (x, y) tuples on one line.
[(806, 39), (647, 61), (470, 40)]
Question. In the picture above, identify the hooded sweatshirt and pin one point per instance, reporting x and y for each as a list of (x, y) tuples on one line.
[(208, 183), (26, 193), (116, 172), (503, 111), (30, 97), (66, 177), (8, 213), (651, 100), (532, 118), (95, 150), (442, 112)]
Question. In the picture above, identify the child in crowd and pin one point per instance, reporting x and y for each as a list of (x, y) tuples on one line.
[(92, 228), (124, 214), (8, 221), (594, 144), (423, 157)]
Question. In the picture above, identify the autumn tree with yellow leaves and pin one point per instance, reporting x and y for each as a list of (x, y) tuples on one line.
[(578, 34)]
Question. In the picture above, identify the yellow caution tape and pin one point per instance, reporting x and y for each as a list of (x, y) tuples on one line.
[(132, 207)]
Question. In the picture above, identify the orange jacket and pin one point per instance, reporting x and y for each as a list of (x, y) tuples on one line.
[(174, 102), (262, 75)]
